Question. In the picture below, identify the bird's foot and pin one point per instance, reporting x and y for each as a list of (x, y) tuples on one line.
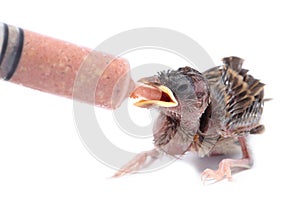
[(138, 162), (224, 170)]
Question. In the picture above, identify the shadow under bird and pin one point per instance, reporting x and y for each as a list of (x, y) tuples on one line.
[(209, 113)]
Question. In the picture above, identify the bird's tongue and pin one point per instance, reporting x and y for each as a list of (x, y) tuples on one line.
[(147, 96), (146, 92)]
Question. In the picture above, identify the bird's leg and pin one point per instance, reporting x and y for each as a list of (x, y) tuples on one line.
[(226, 165), (139, 161)]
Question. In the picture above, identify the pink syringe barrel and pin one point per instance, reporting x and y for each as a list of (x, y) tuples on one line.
[(61, 68)]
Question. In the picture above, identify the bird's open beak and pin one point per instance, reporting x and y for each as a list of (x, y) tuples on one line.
[(153, 93)]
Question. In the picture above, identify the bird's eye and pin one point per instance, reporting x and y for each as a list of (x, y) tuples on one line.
[(182, 87)]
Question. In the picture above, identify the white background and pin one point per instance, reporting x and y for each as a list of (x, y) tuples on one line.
[(41, 153)]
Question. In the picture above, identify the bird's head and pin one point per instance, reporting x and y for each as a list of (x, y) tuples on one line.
[(183, 92)]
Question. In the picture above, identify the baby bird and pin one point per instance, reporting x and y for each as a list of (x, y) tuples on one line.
[(209, 113)]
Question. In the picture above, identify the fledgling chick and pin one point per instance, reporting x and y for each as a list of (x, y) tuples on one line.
[(206, 113)]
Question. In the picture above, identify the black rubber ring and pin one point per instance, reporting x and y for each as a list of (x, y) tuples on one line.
[(4, 44), (18, 54)]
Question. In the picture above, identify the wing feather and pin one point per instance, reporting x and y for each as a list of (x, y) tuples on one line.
[(236, 96)]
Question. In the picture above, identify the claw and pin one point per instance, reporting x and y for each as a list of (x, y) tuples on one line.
[(138, 162), (224, 170)]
